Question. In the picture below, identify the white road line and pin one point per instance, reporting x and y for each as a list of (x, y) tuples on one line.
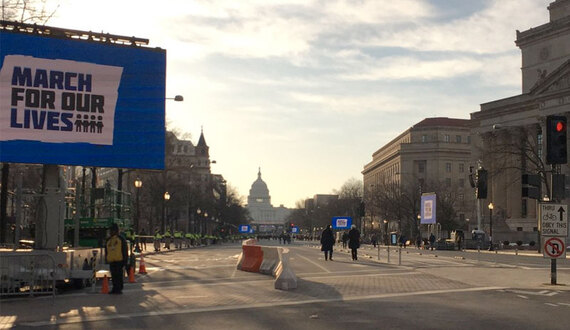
[(553, 305), (83, 319), (523, 297), (314, 263)]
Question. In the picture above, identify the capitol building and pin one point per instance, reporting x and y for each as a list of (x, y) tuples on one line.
[(266, 218)]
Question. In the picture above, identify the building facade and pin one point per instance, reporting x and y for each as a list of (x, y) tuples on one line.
[(434, 153), (511, 131)]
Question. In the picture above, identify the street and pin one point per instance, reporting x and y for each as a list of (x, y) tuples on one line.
[(201, 289)]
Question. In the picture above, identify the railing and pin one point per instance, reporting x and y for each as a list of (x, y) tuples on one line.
[(27, 274)]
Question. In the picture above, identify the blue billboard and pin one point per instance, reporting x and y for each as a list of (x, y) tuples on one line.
[(428, 209), (245, 229), (67, 101), (341, 222)]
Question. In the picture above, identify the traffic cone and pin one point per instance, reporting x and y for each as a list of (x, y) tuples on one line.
[(132, 275), (105, 285), (142, 266)]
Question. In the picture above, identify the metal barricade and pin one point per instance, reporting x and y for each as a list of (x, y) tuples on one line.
[(27, 274)]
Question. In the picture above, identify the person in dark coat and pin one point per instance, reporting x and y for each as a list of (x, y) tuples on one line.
[(327, 242), (354, 241)]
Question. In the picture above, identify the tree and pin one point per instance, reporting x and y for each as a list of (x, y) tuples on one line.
[(27, 11)]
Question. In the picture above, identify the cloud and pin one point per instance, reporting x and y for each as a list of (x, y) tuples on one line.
[(489, 31)]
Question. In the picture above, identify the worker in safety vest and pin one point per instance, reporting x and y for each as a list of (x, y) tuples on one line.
[(167, 239), (188, 239), (177, 239), (157, 239)]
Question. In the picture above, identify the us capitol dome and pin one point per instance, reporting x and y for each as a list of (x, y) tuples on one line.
[(265, 217)]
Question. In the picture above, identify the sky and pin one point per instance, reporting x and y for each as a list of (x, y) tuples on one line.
[(308, 90)]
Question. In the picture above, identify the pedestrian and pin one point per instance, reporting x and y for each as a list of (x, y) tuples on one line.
[(117, 257), (419, 242), (431, 241), (327, 242), (344, 239), (142, 238), (374, 240), (167, 238), (354, 241)]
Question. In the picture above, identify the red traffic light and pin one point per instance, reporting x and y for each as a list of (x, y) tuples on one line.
[(560, 126)]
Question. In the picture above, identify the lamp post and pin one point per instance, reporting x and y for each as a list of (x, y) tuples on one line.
[(198, 211), (138, 185), (386, 231), (491, 226), (164, 201)]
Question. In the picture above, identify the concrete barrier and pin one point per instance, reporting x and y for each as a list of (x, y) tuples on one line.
[(270, 261), (285, 278), (252, 258), (250, 241)]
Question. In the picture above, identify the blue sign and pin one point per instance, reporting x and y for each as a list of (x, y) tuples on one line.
[(67, 101), (341, 222), (245, 229), (428, 209), (295, 230)]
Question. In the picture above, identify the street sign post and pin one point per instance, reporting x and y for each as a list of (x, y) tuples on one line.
[(553, 219), (553, 230), (554, 247)]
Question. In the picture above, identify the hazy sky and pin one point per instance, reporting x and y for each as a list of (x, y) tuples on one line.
[(309, 89)]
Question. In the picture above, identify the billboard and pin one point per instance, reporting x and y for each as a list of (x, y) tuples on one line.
[(428, 209), (77, 102), (341, 222)]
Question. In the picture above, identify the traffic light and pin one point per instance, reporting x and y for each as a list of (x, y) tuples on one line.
[(481, 184), (556, 149), (531, 185)]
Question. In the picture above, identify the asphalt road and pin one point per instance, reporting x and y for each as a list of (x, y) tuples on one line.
[(201, 289)]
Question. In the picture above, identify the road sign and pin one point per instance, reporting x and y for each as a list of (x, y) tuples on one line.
[(553, 220), (341, 222), (554, 247), (244, 229), (295, 230)]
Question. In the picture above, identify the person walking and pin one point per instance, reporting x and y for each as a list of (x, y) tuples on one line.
[(142, 239), (344, 239), (157, 240), (432, 241), (354, 241), (327, 242), (117, 257)]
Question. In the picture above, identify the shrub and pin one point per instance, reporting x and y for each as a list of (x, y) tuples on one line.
[(506, 243), (519, 243), (532, 243)]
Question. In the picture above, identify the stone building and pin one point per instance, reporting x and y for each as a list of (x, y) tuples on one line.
[(265, 217), (511, 131), (433, 152)]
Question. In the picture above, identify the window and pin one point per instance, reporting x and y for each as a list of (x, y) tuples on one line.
[(519, 229), (424, 138), (461, 197), (421, 166), (469, 139), (446, 138), (539, 144), (524, 209), (461, 168), (458, 138), (448, 182), (534, 228), (461, 183), (448, 167)]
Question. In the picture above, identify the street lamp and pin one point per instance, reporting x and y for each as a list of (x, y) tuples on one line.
[(491, 226), (166, 198), (386, 231), (177, 98), (138, 185)]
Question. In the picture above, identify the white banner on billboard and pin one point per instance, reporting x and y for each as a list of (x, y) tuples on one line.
[(58, 101)]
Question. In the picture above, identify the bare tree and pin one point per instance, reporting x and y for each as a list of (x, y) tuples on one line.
[(27, 11)]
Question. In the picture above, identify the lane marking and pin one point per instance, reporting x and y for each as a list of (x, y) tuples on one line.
[(316, 264), (85, 319), (549, 304)]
